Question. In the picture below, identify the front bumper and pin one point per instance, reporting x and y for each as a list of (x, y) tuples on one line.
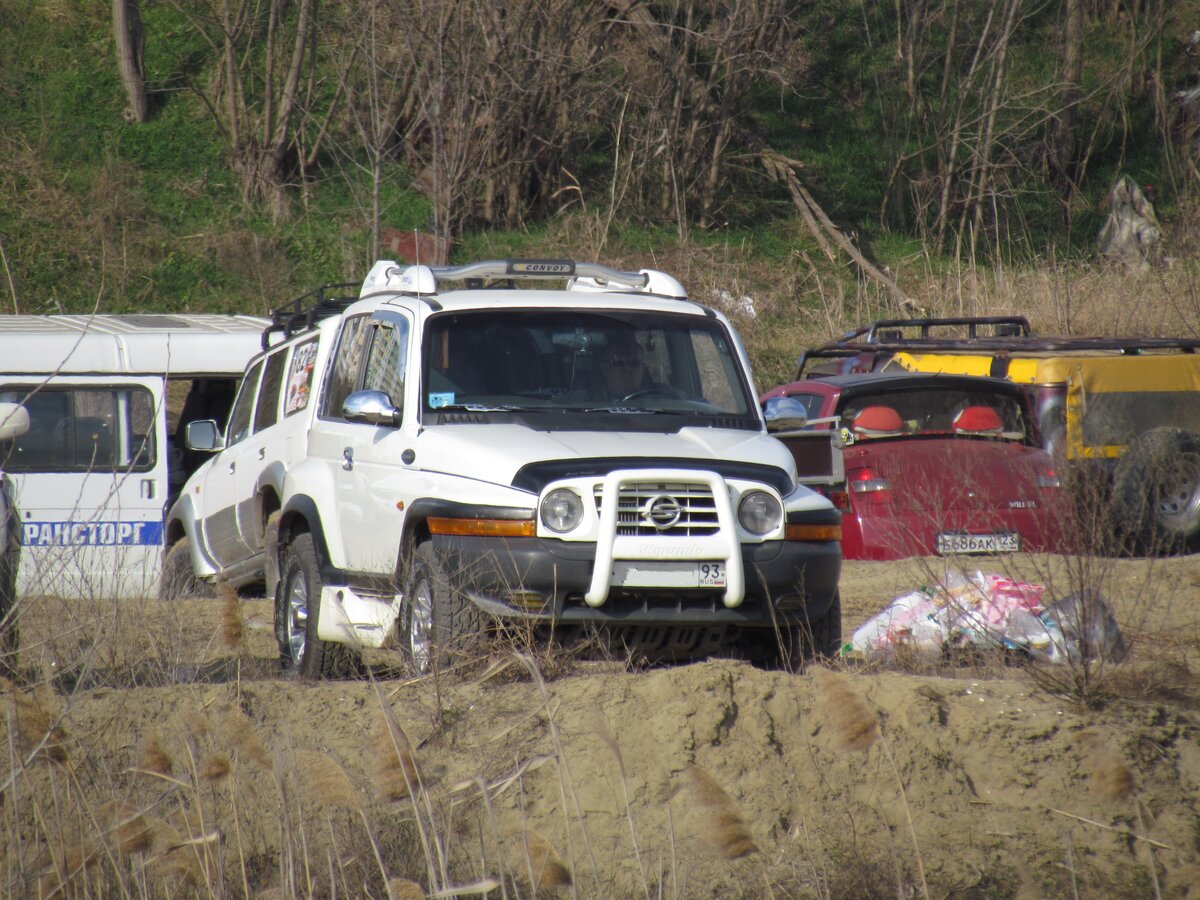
[(546, 580)]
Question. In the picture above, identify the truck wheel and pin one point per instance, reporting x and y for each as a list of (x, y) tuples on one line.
[(300, 603), (179, 581), (1156, 491), (822, 639), (438, 622)]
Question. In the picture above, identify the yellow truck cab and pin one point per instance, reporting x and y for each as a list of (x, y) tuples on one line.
[(1123, 412)]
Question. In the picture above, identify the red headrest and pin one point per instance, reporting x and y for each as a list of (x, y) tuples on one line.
[(977, 418), (875, 419)]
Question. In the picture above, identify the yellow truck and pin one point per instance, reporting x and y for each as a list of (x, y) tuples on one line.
[(1122, 414)]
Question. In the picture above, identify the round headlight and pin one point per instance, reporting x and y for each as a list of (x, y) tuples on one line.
[(759, 512), (561, 510)]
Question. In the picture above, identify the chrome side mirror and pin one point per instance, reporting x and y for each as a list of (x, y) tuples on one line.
[(372, 407), (204, 435), (785, 414)]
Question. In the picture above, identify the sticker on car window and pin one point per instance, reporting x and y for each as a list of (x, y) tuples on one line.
[(439, 399)]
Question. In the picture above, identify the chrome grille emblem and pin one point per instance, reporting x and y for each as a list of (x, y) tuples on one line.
[(662, 511)]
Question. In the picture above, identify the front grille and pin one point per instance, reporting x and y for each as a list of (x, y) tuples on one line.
[(676, 509)]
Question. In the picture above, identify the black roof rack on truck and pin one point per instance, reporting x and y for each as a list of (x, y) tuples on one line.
[(308, 309), (983, 334)]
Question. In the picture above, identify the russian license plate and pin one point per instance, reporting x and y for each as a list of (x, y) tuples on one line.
[(954, 543), (645, 573)]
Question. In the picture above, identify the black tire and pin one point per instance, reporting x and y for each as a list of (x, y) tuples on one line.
[(439, 625), (1156, 492), (179, 581), (809, 641), (299, 601)]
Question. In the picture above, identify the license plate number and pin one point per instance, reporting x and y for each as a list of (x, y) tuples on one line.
[(668, 574), (949, 544)]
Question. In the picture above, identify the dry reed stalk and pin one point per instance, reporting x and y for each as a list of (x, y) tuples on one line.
[(327, 782), (854, 725), (244, 738), (231, 628), (216, 766), (153, 756), (610, 741), (127, 829), (720, 820), (403, 889), (1114, 782), (38, 731), (399, 774), (174, 856), (197, 724), (541, 861)]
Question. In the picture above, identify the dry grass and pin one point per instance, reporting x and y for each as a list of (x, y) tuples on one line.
[(718, 817)]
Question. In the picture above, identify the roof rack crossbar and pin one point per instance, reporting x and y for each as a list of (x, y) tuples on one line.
[(304, 312)]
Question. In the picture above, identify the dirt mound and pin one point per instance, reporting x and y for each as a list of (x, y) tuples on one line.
[(710, 779)]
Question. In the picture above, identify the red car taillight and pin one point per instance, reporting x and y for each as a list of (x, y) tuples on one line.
[(1049, 479), (868, 481)]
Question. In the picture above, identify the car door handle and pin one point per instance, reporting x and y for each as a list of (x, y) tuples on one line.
[(348, 458), (232, 468)]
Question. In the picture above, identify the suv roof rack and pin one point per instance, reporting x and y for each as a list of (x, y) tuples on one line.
[(295, 316), (387, 275), (985, 334)]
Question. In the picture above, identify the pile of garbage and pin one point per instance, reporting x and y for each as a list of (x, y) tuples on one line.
[(989, 610)]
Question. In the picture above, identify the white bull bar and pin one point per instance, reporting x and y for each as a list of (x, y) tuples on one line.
[(723, 546)]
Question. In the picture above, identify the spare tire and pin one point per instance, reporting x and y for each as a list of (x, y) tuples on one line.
[(1156, 491)]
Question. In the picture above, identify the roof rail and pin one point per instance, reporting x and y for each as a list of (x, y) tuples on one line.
[(295, 316), (1008, 334)]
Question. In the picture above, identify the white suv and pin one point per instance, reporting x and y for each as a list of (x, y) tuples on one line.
[(571, 459)]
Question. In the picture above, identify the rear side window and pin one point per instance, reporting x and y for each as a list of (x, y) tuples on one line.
[(300, 376), (82, 429), (266, 413)]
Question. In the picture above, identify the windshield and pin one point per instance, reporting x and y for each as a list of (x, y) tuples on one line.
[(572, 360), (967, 413)]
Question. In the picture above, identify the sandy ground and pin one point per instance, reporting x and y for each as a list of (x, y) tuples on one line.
[(710, 779)]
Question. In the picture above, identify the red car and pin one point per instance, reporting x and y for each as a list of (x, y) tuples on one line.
[(934, 464)]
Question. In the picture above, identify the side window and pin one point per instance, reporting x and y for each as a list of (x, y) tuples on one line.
[(243, 406), (347, 365), (300, 376), (81, 429), (387, 360), (266, 413)]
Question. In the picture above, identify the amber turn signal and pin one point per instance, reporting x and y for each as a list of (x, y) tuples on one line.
[(813, 533), (482, 527)]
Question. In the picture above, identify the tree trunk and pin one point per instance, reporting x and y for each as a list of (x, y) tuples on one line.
[(1062, 144), (127, 30)]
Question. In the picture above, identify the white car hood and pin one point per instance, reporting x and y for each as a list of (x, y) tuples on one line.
[(496, 452)]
